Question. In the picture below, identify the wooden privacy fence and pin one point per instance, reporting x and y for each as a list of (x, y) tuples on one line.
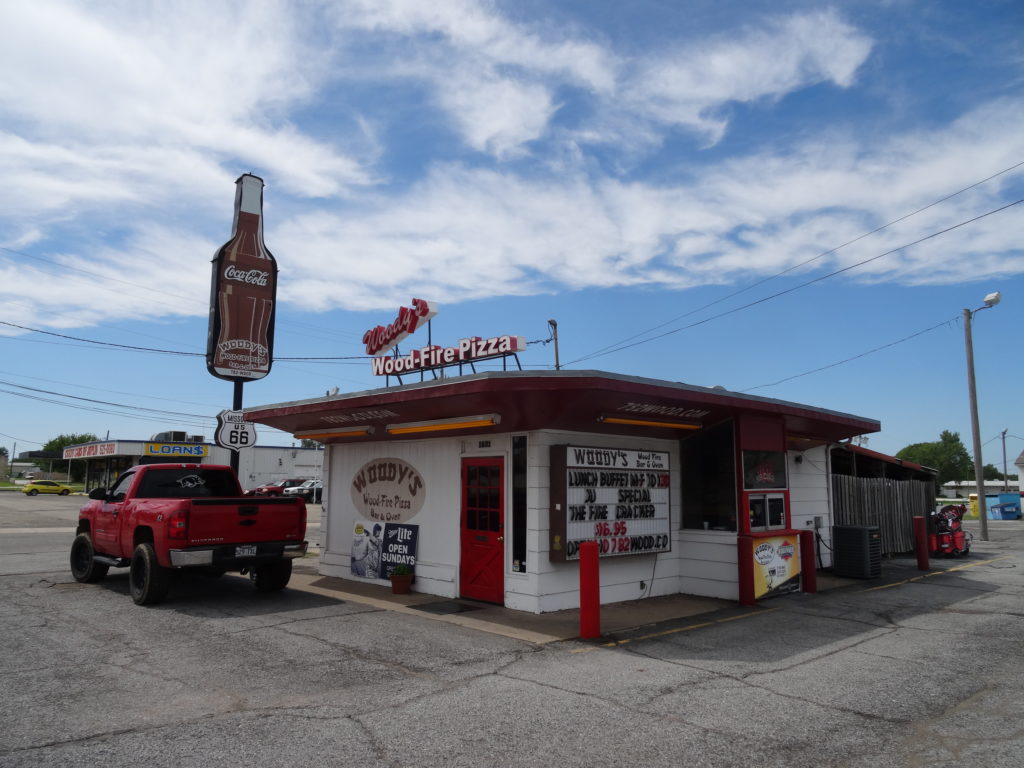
[(889, 504)]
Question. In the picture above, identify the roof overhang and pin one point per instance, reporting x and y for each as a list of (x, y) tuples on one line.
[(519, 401), (886, 458)]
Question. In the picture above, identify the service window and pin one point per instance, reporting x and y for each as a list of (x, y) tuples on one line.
[(763, 472), (767, 511)]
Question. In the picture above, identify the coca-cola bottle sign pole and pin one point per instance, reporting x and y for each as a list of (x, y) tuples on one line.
[(240, 343)]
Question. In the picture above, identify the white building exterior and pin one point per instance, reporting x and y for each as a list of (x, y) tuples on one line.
[(771, 494)]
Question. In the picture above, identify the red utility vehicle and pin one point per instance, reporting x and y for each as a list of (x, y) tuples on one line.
[(275, 487), (162, 517)]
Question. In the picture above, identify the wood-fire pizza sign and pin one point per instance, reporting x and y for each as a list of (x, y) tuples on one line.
[(616, 497)]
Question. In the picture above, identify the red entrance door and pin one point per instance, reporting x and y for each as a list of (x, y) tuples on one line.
[(482, 569)]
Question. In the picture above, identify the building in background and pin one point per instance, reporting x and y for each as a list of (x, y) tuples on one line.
[(105, 459)]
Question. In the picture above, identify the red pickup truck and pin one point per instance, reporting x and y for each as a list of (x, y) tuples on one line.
[(162, 517)]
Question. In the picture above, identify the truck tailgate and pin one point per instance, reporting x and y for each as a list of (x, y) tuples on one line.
[(241, 521)]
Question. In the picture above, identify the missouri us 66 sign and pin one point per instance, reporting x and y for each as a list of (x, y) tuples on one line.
[(234, 432)]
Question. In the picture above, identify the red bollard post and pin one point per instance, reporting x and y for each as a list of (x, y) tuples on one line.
[(590, 591), (921, 542), (808, 569)]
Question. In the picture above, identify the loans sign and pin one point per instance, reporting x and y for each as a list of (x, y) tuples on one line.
[(616, 497)]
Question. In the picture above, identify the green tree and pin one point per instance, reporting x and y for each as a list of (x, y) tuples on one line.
[(57, 445), (948, 455), (991, 472), (306, 443)]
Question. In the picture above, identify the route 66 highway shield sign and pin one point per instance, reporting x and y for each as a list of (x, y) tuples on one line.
[(234, 432)]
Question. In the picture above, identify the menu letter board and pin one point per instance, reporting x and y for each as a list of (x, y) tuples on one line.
[(616, 497)]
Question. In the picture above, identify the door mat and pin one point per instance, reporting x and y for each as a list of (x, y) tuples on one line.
[(446, 607)]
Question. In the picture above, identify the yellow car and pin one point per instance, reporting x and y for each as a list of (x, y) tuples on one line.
[(45, 486)]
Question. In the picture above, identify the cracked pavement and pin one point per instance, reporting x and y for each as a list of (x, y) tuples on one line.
[(925, 673)]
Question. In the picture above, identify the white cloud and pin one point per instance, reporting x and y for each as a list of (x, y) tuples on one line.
[(687, 86), (469, 233), (157, 108), (475, 32), (497, 115), (204, 80), (494, 79)]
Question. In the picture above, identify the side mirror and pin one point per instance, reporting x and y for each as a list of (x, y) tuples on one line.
[(99, 494)]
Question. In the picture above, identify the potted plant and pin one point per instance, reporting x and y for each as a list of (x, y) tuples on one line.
[(401, 579)]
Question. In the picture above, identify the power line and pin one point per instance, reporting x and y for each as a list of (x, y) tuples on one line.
[(154, 350), (120, 414), (21, 439), (325, 333), (819, 279), (111, 391), (596, 353), (105, 343), (855, 357), (104, 402)]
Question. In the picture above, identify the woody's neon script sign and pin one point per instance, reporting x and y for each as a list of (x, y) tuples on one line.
[(409, 319), (384, 337)]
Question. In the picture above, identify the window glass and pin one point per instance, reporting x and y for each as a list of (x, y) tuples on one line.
[(121, 486), (708, 479), (758, 512), (766, 511), (519, 504), (764, 469), (186, 484)]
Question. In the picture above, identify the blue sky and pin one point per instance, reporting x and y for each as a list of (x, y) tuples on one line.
[(633, 170)]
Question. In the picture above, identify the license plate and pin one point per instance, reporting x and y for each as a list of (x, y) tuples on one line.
[(247, 550)]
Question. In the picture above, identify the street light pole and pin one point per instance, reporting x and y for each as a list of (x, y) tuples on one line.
[(1006, 480), (979, 476)]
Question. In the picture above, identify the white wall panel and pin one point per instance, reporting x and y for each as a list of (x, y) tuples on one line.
[(809, 494)]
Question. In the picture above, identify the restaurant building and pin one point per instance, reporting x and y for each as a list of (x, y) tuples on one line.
[(486, 484)]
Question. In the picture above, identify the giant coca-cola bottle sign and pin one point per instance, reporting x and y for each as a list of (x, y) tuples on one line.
[(240, 344)]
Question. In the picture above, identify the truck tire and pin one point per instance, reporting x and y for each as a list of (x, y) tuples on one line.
[(273, 577), (83, 562), (147, 579)]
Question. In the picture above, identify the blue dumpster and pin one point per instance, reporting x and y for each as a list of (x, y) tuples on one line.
[(1003, 506)]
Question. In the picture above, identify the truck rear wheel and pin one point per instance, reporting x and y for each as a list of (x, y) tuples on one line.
[(147, 579), (272, 577), (83, 561)]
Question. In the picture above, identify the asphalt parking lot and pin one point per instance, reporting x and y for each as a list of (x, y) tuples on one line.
[(912, 669)]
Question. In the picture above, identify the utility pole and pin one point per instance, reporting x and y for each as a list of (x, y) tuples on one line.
[(972, 394), (1006, 481), (979, 475), (554, 336)]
